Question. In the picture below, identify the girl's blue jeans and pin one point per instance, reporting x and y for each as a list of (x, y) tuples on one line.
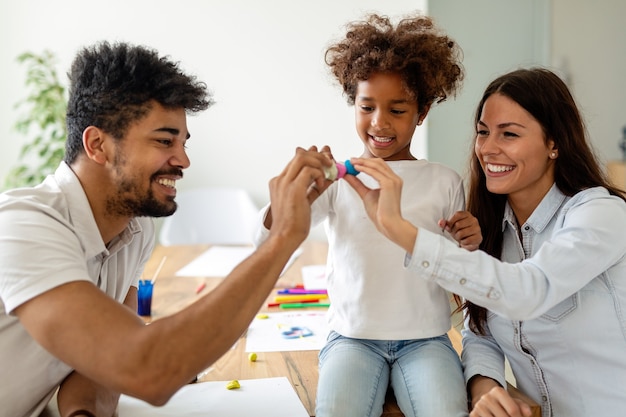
[(425, 374)]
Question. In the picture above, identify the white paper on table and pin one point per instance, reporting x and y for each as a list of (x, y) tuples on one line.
[(265, 335), (267, 397), (219, 261), (314, 277)]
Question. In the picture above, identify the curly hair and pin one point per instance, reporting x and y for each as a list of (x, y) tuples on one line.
[(112, 86), (428, 61)]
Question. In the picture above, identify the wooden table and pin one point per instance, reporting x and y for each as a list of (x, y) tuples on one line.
[(173, 293)]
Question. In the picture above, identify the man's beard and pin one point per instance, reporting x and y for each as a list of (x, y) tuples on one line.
[(144, 206), (132, 202)]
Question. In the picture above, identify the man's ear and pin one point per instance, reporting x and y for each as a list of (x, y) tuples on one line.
[(94, 145)]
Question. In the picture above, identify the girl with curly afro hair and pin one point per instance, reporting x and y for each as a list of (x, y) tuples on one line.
[(388, 329), (427, 61)]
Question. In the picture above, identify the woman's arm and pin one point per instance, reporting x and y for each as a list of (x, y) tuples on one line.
[(383, 204), (383, 207), (490, 399), (483, 365), (592, 226)]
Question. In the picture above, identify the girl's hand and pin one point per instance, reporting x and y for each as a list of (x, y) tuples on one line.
[(464, 228)]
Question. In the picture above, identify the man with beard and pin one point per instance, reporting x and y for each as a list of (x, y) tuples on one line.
[(73, 248)]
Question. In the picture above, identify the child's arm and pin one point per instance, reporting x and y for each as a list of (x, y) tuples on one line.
[(464, 228)]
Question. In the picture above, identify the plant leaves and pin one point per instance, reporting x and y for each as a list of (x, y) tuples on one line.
[(42, 121)]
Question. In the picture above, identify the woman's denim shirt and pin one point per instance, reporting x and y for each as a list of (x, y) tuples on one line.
[(557, 302)]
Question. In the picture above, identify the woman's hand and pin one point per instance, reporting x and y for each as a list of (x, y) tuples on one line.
[(498, 403), (383, 205)]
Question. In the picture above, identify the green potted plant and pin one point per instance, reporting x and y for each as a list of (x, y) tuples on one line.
[(43, 122)]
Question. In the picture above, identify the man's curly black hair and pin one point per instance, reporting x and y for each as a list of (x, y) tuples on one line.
[(113, 85)]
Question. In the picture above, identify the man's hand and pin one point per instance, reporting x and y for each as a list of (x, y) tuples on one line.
[(464, 228), (292, 191)]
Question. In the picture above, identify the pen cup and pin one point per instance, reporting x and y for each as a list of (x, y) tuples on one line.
[(144, 298)]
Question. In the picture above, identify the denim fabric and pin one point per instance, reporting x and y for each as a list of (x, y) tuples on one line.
[(425, 374), (557, 302)]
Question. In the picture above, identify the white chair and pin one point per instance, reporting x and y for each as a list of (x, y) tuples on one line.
[(214, 215)]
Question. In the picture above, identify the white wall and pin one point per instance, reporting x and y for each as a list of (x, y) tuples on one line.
[(581, 39), (264, 62), (496, 36), (262, 59), (589, 42)]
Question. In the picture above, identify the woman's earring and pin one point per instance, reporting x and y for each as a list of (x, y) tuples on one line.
[(553, 155)]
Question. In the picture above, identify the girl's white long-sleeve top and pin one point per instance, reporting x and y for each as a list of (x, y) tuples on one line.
[(372, 295)]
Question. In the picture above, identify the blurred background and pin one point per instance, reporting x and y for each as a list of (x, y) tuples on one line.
[(264, 62)]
